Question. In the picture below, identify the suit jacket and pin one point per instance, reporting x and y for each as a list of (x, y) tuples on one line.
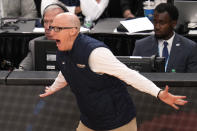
[(183, 54), (28, 63), (19, 8)]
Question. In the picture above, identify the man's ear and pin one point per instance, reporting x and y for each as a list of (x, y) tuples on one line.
[(174, 23), (73, 32)]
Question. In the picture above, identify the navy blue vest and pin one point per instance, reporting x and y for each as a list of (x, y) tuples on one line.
[(103, 100)]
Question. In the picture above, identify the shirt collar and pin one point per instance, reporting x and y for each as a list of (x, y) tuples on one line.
[(160, 44), (169, 40)]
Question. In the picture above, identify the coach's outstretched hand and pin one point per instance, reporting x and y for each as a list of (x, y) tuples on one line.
[(170, 99)]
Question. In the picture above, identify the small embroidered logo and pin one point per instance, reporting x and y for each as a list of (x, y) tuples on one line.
[(177, 44)]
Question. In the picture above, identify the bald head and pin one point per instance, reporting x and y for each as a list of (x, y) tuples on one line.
[(67, 20), (65, 29)]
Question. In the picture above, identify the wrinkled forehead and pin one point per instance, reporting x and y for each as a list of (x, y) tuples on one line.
[(61, 21)]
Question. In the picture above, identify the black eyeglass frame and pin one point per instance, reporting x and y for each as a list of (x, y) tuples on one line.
[(58, 29)]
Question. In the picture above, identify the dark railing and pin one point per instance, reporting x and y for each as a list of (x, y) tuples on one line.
[(21, 109)]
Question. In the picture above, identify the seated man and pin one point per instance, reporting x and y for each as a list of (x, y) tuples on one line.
[(48, 14), (180, 52)]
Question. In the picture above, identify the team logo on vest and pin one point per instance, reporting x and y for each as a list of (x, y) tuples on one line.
[(81, 65)]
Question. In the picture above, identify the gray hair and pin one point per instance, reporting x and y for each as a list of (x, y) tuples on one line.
[(55, 5)]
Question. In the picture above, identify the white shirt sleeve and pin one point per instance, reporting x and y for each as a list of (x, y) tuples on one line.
[(92, 9), (102, 61), (59, 82)]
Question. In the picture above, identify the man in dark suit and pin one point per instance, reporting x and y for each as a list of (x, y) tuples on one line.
[(28, 63), (181, 52)]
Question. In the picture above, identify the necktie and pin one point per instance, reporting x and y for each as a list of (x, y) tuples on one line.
[(165, 51)]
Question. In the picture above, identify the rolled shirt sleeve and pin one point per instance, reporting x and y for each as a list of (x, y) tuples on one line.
[(59, 82), (102, 61)]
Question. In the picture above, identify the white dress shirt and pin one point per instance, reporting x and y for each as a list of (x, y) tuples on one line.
[(102, 61), (161, 45), (91, 9)]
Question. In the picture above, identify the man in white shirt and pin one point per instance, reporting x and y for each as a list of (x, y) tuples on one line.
[(98, 79)]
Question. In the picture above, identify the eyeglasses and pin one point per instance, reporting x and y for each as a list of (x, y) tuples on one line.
[(58, 29)]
